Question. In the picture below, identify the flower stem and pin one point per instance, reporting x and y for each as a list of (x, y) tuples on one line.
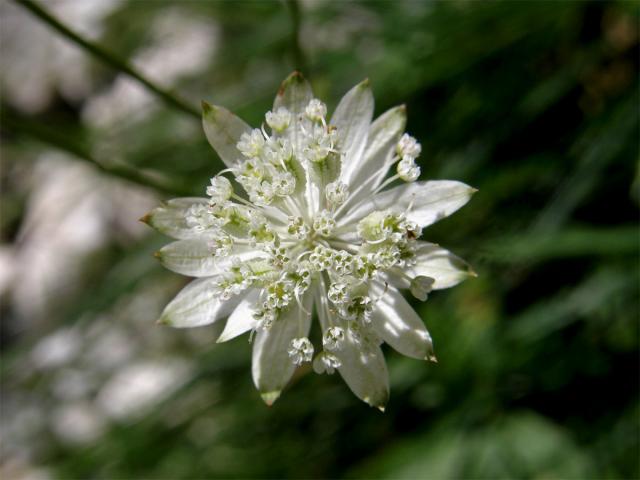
[(298, 55), (107, 57), (385, 183), (343, 245), (17, 125)]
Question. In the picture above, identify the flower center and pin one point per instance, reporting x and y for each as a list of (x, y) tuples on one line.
[(290, 223)]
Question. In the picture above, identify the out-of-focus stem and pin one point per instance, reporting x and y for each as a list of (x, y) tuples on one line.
[(107, 57), (298, 55), (17, 125)]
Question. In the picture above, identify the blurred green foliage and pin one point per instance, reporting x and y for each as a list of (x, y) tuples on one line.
[(533, 103)]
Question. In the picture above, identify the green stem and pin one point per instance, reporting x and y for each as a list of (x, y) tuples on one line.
[(104, 55), (50, 136), (298, 55)]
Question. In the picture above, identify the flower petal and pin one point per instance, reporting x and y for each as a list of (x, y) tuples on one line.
[(364, 370), (429, 201), (384, 134), (397, 323), (223, 130), (193, 257), (198, 304), (241, 320), (271, 366), (433, 261), (352, 119), (294, 94), (170, 217)]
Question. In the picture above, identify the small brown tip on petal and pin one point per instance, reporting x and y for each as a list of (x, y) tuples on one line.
[(206, 107), (157, 254), (145, 219), (163, 321), (270, 397), (295, 76), (403, 107)]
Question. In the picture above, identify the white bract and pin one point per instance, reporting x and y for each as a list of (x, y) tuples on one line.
[(315, 230)]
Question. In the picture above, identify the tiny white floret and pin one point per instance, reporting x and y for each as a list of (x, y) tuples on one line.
[(300, 350)]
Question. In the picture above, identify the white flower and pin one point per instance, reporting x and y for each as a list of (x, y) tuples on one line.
[(251, 143), (337, 192), (408, 170), (324, 223), (316, 231), (315, 110), (408, 147), (333, 338), (300, 350), (326, 362), (278, 120), (220, 189)]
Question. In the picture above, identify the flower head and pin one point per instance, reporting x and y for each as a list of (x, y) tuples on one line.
[(314, 230)]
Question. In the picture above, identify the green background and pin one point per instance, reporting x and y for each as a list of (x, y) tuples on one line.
[(534, 103)]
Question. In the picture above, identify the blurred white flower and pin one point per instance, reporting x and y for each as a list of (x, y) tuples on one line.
[(317, 231), (42, 62), (139, 386), (180, 44), (73, 212), (77, 423), (57, 349)]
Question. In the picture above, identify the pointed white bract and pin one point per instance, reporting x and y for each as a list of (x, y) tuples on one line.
[(314, 229), (198, 304), (241, 319)]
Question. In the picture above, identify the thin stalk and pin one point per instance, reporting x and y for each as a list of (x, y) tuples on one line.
[(344, 245), (107, 57), (298, 55), (78, 150)]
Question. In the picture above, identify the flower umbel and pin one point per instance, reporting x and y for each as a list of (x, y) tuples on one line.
[(314, 230)]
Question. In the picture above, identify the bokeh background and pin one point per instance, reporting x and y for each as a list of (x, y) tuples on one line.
[(533, 103)]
